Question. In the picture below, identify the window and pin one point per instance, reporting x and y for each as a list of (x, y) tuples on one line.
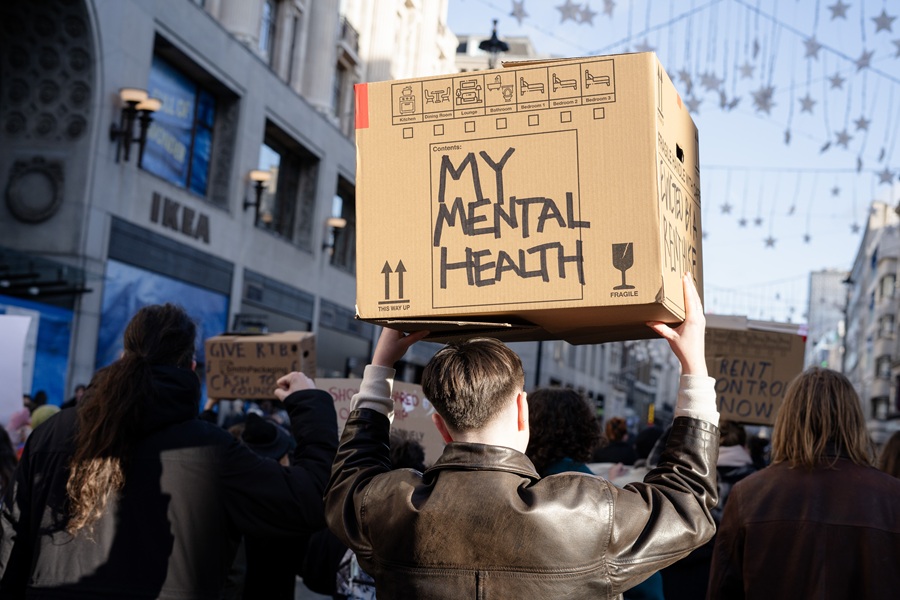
[(886, 326), (179, 141), (886, 286), (267, 30), (883, 367), (287, 205), (344, 255)]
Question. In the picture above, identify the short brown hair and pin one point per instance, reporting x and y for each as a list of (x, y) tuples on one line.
[(820, 418), (469, 381), (616, 429)]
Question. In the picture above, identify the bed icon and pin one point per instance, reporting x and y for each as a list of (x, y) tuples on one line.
[(563, 83), (595, 79), (524, 86)]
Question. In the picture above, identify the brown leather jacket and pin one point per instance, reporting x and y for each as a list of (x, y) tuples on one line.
[(482, 524)]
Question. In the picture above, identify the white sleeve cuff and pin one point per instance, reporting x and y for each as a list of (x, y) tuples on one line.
[(697, 398), (375, 391)]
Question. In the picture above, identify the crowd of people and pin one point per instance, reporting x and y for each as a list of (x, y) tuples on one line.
[(130, 491)]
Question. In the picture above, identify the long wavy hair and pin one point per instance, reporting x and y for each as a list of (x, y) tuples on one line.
[(820, 419), (109, 414), (562, 425)]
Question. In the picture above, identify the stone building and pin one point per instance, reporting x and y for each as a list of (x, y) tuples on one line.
[(240, 203)]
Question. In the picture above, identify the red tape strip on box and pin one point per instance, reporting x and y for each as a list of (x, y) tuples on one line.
[(362, 105)]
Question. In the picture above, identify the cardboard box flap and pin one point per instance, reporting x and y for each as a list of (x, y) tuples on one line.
[(443, 331)]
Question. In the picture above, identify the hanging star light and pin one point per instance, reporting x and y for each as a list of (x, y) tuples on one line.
[(837, 81), (862, 123), (742, 222), (770, 242), (824, 147), (838, 10), (726, 209), (762, 99), (854, 228), (859, 163), (843, 138), (608, 6), (568, 11), (693, 104), (807, 103), (806, 238), (863, 61), (787, 137), (883, 22), (885, 176), (758, 221), (685, 78), (710, 82), (812, 48), (835, 191), (518, 11), (897, 43), (746, 70), (587, 15)]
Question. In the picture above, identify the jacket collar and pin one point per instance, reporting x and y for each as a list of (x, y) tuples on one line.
[(465, 456)]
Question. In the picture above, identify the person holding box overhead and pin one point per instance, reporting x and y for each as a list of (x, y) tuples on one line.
[(481, 522)]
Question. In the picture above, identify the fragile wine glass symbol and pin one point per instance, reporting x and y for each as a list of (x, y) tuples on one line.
[(623, 259)]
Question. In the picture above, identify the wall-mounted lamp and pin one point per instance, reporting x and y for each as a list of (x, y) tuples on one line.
[(136, 105), (259, 178), (334, 224)]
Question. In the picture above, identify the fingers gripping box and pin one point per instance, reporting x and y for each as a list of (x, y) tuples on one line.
[(544, 200)]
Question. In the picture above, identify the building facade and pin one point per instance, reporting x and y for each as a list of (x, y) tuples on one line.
[(871, 340), (826, 317), (240, 203)]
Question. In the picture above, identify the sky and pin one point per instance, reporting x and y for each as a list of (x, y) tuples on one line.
[(798, 107)]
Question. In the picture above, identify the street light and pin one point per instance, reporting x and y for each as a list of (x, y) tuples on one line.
[(493, 46)]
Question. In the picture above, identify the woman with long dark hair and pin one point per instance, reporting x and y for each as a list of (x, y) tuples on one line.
[(131, 495)]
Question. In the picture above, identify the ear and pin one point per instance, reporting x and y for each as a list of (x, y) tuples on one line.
[(193, 365), (522, 408), (442, 427)]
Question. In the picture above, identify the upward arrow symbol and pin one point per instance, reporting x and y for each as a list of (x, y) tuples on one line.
[(400, 271), (387, 280)]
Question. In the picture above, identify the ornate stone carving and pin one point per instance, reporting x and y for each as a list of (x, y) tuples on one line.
[(47, 56), (34, 189)]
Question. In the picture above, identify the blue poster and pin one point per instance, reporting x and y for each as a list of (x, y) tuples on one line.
[(128, 289), (179, 140)]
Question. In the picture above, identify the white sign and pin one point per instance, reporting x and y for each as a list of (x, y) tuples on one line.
[(13, 333)]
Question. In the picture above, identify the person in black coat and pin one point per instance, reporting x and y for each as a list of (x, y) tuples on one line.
[(131, 495)]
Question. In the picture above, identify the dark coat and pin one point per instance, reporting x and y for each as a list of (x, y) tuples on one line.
[(191, 490), (800, 533), (481, 523)]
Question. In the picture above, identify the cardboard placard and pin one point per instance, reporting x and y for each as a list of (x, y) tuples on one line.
[(412, 411), (545, 200), (752, 362), (247, 366)]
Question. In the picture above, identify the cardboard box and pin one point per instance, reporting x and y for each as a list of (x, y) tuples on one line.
[(545, 200), (753, 362), (247, 366)]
